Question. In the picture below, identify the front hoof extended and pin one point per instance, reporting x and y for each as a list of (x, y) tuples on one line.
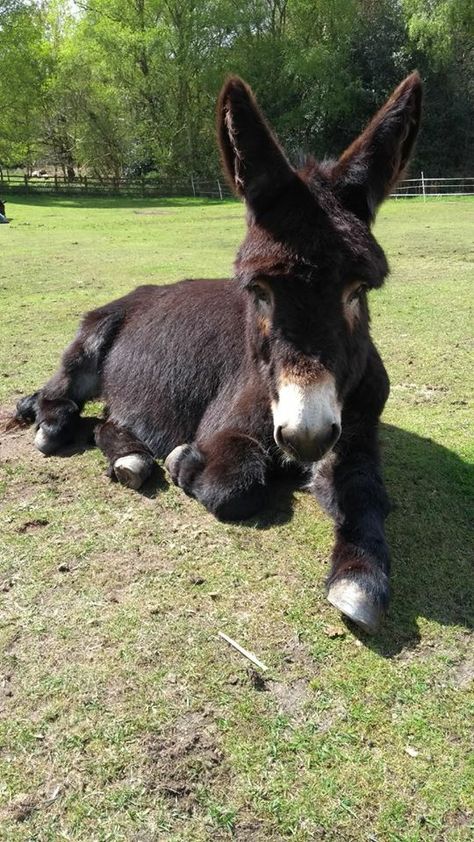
[(133, 470), (355, 603)]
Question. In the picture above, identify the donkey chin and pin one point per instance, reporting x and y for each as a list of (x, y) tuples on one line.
[(307, 420)]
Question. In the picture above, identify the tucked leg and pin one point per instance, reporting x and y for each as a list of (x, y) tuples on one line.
[(130, 461), (226, 467), (226, 473)]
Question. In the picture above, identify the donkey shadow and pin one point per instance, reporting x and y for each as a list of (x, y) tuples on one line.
[(428, 530), (429, 533), (430, 537)]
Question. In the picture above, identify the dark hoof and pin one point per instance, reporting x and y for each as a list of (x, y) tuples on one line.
[(355, 603)]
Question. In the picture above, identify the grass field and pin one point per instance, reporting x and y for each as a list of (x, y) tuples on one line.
[(122, 715)]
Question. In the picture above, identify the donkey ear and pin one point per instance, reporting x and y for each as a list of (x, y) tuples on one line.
[(369, 169), (253, 160)]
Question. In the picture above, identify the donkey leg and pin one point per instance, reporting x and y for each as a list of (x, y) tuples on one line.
[(226, 473), (57, 406), (27, 409), (349, 484), (358, 583), (130, 461), (55, 409)]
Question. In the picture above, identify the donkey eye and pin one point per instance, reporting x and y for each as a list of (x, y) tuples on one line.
[(356, 294), (260, 294)]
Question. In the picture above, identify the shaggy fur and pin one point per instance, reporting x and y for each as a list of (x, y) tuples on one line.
[(201, 363)]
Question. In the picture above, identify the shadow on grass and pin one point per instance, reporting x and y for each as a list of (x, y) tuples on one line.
[(83, 440), (101, 202), (429, 534), (430, 537)]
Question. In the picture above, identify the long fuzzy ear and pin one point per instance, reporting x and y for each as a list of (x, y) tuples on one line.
[(369, 169), (253, 160)]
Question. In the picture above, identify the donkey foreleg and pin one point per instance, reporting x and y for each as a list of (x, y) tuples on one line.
[(130, 461), (350, 486), (226, 473)]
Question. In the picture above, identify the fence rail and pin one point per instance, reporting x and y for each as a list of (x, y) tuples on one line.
[(426, 187), (214, 188)]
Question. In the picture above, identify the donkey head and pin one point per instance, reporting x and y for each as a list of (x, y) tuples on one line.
[(309, 257)]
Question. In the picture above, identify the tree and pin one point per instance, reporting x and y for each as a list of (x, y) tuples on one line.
[(24, 71)]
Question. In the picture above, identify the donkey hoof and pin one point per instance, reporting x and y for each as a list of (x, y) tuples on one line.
[(43, 442), (133, 470), (356, 604), (171, 461)]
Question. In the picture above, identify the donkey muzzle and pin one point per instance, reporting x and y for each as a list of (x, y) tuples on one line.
[(307, 447), (307, 419)]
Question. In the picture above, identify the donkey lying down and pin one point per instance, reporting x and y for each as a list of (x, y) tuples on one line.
[(230, 379)]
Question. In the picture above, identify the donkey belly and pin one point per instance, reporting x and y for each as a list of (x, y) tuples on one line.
[(178, 346)]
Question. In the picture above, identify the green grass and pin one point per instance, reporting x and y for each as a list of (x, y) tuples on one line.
[(122, 715)]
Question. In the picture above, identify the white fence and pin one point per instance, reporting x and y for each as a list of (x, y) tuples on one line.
[(427, 187)]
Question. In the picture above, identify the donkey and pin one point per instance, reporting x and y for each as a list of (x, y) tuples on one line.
[(231, 379)]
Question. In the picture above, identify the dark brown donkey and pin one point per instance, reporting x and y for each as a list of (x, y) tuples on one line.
[(231, 379)]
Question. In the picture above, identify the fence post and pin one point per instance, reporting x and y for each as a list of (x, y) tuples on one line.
[(26, 182), (219, 188), (192, 185), (423, 185)]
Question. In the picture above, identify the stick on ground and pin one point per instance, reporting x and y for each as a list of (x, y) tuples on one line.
[(251, 657)]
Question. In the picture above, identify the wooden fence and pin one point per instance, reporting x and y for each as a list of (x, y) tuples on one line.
[(214, 188), (143, 188)]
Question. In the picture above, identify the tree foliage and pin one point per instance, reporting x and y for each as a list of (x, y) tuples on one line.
[(129, 86)]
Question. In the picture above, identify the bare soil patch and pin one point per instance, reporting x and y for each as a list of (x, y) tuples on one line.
[(15, 441), (290, 697), (462, 675), (24, 805), (186, 759)]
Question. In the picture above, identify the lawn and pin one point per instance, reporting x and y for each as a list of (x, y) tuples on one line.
[(123, 716)]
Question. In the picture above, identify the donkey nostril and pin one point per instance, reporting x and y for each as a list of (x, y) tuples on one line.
[(284, 440), (280, 437), (335, 433)]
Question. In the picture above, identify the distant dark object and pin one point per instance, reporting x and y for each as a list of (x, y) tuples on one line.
[(3, 217), (231, 379), (140, 169)]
